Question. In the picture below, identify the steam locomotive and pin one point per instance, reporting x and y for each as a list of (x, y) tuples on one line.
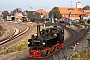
[(46, 41)]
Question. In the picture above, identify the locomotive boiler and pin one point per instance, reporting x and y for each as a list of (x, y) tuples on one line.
[(46, 41)]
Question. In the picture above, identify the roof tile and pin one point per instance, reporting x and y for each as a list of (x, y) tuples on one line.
[(73, 11), (42, 11)]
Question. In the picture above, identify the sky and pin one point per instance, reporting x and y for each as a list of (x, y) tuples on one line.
[(47, 5)]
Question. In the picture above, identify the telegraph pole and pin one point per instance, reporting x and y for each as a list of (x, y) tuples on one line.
[(70, 12), (52, 17), (71, 3), (10, 7)]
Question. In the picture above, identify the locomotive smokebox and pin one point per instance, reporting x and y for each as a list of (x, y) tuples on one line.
[(38, 30)]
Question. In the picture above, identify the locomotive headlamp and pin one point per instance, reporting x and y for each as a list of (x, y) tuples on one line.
[(43, 43), (35, 34), (28, 42)]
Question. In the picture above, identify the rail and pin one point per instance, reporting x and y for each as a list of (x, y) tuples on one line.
[(14, 35)]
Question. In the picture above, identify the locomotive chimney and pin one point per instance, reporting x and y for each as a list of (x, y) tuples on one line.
[(39, 36), (38, 30)]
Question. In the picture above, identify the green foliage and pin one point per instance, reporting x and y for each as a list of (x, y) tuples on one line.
[(30, 15), (37, 15), (1, 27), (55, 13), (1, 53), (17, 10), (18, 47), (83, 21), (88, 21), (5, 13), (83, 55), (2, 30)]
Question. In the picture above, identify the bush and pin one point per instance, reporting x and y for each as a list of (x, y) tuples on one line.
[(83, 21), (82, 55), (1, 30), (1, 27), (88, 21)]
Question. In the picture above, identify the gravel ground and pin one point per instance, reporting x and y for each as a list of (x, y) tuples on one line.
[(24, 54)]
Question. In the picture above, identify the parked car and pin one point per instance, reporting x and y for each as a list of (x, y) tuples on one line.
[(63, 20), (75, 21)]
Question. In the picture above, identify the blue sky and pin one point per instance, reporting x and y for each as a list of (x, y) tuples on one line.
[(37, 4)]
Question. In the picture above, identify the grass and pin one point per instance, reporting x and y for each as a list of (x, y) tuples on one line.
[(2, 30), (83, 55), (17, 47)]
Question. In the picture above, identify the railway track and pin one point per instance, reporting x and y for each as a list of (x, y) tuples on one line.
[(73, 35), (9, 28), (69, 42), (56, 54), (17, 33)]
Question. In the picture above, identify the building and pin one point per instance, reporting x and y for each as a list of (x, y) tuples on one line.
[(1, 16), (75, 12), (43, 13), (17, 16), (20, 16), (87, 12), (78, 4)]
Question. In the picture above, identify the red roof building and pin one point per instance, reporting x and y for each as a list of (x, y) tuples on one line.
[(75, 12), (87, 12), (43, 12)]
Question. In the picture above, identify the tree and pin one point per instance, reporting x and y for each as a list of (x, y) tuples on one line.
[(17, 10), (30, 15), (5, 13), (88, 21), (87, 7), (37, 15), (55, 13)]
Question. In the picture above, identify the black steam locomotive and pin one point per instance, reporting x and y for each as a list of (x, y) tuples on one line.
[(46, 41)]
